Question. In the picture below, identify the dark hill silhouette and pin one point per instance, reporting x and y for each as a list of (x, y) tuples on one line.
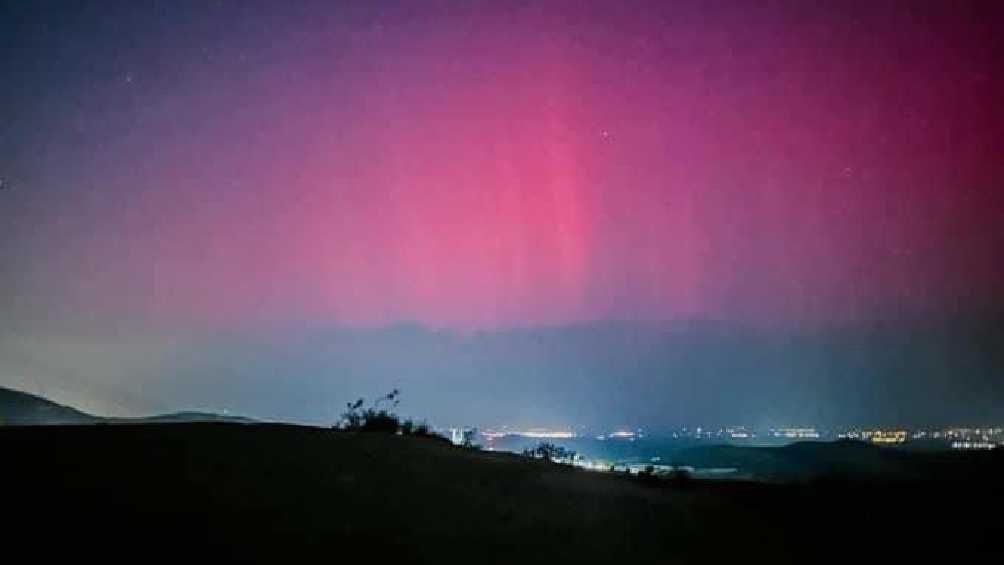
[(19, 408), (22, 408), (190, 416), (281, 493)]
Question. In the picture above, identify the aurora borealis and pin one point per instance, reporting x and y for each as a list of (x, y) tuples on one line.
[(247, 167)]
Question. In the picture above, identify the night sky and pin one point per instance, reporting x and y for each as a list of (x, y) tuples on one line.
[(543, 213)]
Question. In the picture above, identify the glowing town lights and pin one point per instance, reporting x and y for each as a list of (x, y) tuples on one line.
[(546, 434), (796, 433), (973, 445), (885, 436)]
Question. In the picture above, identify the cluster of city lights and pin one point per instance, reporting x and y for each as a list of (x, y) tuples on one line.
[(956, 438)]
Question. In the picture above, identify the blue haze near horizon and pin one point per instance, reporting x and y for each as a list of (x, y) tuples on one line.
[(600, 375)]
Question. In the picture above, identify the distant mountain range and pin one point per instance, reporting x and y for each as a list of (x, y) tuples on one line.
[(23, 409)]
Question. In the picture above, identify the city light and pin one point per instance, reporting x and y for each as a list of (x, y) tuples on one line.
[(546, 434), (979, 437), (796, 433), (885, 436)]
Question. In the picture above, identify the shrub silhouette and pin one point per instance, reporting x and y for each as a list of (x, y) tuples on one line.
[(381, 420), (372, 419), (549, 452)]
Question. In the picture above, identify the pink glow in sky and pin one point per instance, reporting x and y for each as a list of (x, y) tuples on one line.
[(473, 166)]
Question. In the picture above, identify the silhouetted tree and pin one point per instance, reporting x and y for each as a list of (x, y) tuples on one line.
[(549, 452)]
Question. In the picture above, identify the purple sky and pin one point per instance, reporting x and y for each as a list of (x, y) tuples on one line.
[(234, 166)]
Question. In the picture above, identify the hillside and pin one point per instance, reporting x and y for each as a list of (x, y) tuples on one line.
[(22, 408), (276, 493)]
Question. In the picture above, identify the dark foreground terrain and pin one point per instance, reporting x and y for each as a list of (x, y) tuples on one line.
[(273, 493)]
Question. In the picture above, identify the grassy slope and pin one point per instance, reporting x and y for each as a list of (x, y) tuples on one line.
[(278, 493)]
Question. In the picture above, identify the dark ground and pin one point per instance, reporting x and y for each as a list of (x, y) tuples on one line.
[(278, 493)]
